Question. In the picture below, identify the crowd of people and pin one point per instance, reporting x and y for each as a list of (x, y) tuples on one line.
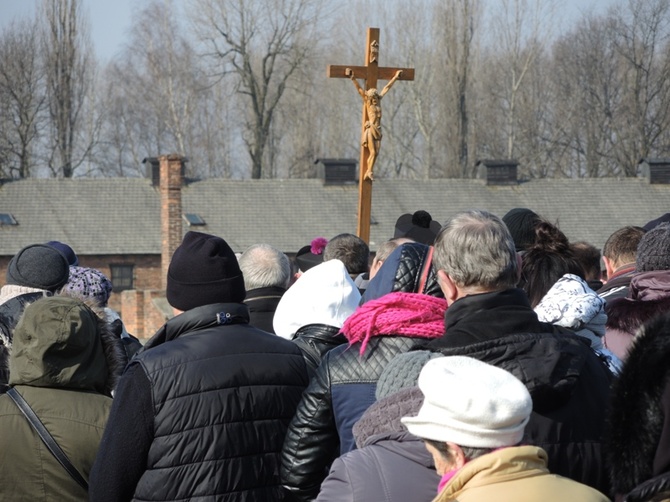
[(488, 358)]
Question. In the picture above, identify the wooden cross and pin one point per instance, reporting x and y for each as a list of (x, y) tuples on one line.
[(371, 131)]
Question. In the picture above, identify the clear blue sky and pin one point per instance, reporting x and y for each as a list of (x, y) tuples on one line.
[(111, 19)]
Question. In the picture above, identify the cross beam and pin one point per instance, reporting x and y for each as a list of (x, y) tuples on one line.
[(371, 124)]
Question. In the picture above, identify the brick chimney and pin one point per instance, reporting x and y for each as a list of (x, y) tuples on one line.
[(171, 181)]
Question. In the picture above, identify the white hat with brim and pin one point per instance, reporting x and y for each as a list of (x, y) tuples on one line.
[(470, 403)]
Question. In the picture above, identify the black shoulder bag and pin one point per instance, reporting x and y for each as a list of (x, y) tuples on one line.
[(47, 438)]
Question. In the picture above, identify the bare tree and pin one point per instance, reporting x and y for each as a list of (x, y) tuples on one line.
[(461, 20), (69, 74), (22, 98), (262, 45), (521, 29), (643, 38), (588, 92), (158, 99)]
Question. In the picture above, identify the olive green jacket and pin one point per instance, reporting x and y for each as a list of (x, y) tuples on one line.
[(59, 365)]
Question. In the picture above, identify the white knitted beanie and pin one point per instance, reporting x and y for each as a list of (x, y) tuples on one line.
[(470, 403)]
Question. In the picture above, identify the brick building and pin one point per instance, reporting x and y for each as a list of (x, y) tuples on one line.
[(129, 227)]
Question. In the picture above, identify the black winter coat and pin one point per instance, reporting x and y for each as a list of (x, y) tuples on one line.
[(638, 429), (262, 303), (201, 413), (569, 384), (314, 340)]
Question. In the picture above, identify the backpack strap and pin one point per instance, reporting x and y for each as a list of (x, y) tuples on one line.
[(46, 437)]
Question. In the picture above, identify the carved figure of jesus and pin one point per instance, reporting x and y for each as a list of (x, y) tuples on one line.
[(372, 130)]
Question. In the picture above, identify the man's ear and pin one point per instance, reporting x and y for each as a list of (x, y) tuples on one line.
[(451, 293), (609, 268)]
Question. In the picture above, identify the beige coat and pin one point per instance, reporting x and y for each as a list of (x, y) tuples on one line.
[(515, 474)]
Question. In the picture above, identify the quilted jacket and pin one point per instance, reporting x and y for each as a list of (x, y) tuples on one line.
[(344, 384), (201, 413), (315, 340)]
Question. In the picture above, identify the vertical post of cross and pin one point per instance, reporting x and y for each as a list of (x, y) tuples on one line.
[(371, 126)]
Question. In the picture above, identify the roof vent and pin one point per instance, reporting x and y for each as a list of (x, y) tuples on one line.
[(152, 170), (337, 171), (498, 172), (7, 219), (657, 171)]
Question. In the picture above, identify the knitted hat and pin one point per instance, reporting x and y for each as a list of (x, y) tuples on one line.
[(653, 251), (521, 223), (38, 266), (419, 227), (654, 223), (470, 403), (203, 270), (403, 371), (67, 251), (88, 283), (311, 255)]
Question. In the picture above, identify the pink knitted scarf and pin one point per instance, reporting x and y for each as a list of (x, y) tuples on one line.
[(404, 314)]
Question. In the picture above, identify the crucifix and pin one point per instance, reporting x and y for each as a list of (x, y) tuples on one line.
[(371, 135)]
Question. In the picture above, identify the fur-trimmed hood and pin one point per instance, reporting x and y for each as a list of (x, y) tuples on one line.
[(62, 341), (638, 431)]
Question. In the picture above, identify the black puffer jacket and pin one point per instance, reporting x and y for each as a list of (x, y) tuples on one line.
[(569, 384), (201, 413), (345, 382), (638, 429)]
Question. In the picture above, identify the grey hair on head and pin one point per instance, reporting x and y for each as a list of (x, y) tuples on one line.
[(475, 249), (264, 266)]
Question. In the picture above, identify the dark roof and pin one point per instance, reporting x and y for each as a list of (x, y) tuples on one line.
[(122, 216)]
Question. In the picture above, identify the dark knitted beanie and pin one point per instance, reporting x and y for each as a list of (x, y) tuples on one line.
[(665, 218), (38, 266), (67, 251), (521, 223), (204, 270), (653, 251), (403, 371)]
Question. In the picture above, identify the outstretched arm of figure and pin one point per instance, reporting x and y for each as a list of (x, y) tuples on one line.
[(391, 82), (350, 73)]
